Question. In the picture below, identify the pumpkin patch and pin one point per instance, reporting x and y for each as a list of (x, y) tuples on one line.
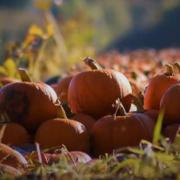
[(89, 119)]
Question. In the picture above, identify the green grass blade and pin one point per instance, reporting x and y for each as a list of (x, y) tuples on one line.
[(158, 127)]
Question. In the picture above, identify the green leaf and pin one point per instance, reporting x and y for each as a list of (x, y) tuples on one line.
[(158, 126), (10, 67), (3, 71)]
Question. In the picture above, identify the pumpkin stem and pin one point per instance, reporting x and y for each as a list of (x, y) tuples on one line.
[(92, 63), (24, 75), (119, 108), (137, 102), (61, 113), (176, 65), (169, 70), (2, 132)]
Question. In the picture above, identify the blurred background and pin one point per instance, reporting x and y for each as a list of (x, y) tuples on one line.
[(87, 27)]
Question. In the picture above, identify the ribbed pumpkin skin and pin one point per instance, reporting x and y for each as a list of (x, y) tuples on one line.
[(155, 90), (94, 92), (15, 134), (171, 103), (58, 132), (109, 133), (28, 103)]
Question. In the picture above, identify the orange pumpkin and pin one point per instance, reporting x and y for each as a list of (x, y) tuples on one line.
[(85, 119), (61, 88), (111, 133), (9, 156), (171, 103), (7, 80), (57, 132), (156, 88), (93, 92), (28, 103), (15, 134)]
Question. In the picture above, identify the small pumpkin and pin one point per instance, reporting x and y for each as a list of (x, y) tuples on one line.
[(63, 131), (170, 102), (85, 119), (93, 92), (11, 157), (57, 132), (61, 88), (15, 134), (110, 133), (157, 87), (28, 103)]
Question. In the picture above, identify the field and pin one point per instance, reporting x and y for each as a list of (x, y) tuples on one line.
[(70, 108), (36, 155)]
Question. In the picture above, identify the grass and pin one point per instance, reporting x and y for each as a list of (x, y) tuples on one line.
[(160, 160)]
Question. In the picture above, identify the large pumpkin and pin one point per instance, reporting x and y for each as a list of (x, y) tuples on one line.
[(156, 88), (171, 103), (15, 134), (58, 132), (111, 133), (93, 92), (28, 103)]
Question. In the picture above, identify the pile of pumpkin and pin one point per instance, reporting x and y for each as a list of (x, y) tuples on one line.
[(95, 111)]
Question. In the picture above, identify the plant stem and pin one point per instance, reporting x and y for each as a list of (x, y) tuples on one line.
[(92, 63), (24, 75), (176, 65), (119, 108), (61, 113), (169, 70)]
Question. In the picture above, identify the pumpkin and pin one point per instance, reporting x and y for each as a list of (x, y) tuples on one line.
[(170, 102), (7, 159), (28, 103), (9, 156), (15, 134), (93, 92), (170, 131), (157, 87), (61, 88), (85, 119), (7, 80), (57, 132), (153, 114), (110, 133)]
